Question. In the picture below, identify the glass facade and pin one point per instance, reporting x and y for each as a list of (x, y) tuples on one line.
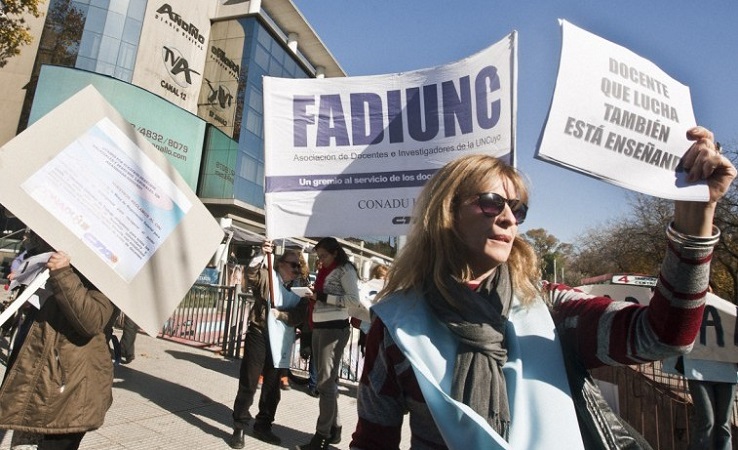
[(262, 55), (102, 36), (219, 160), (95, 35), (110, 37)]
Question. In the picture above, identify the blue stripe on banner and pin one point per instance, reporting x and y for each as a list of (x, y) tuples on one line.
[(342, 182)]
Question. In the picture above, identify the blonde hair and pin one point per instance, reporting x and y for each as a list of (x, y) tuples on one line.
[(304, 268), (379, 271), (435, 252), (291, 252)]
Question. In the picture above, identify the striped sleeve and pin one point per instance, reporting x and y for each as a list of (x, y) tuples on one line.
[(604, 332), (380, 405), (388, 390)]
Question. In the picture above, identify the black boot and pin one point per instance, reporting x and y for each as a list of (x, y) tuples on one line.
[(237, 439), (318, 442), (335, 435), (265, 434)]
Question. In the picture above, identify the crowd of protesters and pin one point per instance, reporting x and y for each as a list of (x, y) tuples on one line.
[(464, 338)]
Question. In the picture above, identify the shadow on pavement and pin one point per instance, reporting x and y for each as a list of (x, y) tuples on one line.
[(179, 400), (222, 366)]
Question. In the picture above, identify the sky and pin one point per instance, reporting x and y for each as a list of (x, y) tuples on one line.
[(696, 43)]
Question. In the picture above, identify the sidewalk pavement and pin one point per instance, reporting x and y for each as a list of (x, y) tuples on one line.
[(174, 396)]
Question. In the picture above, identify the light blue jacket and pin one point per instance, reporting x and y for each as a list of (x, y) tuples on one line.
[(704, 370)]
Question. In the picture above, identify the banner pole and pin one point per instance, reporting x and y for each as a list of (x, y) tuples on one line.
[(271, 279)]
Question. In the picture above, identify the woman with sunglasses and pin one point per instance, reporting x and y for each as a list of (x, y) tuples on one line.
[(261, 340), (473, 345), (336, 288)]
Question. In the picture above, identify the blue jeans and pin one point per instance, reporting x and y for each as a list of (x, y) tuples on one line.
[(713, 410), (313, 371)]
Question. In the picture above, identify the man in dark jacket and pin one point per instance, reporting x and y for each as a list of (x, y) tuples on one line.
[(60, 384)]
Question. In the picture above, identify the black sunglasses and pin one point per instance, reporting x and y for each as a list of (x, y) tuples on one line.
[(493, 204)]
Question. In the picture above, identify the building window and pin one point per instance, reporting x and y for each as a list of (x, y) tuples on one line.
[(262, 55), (96, 35)]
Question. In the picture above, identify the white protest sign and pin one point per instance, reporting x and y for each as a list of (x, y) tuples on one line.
[(618, 117), (87, 183), (368, 291), (32, 290), (348, 156), (718, 337), (32, 273)]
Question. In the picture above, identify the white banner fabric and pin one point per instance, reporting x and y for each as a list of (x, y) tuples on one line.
[(348, 156), (617, 117)]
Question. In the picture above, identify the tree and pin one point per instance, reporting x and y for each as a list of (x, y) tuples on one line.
[(14, 31), (58, 45), (553, 254), (636, 242), (724, 274), (62, 34)]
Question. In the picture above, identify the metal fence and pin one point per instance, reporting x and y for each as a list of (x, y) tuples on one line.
[(210, 316), (352, 362), (655, 403), (216, 318)]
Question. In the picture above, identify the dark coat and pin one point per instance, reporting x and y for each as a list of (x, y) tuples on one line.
[(62, 379)]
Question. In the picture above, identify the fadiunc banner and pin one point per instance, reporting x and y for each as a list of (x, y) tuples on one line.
[(348, 156)]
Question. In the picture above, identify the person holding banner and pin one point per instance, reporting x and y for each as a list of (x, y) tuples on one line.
[(336, 289), (61, 382), (263, 337), (479, 351)]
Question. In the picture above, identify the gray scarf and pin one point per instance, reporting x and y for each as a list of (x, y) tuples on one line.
[(479, 324)]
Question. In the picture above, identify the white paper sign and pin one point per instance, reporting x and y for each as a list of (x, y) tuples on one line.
[(111, 196), (32, 273), (348, 156), (618, 117), (87, 183)]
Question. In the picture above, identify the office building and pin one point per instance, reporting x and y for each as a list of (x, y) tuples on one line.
[(187, 75)]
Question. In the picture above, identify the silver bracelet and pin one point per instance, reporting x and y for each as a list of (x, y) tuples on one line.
[(693, 242)]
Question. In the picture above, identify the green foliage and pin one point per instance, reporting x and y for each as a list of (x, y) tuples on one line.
[(553, 254), (14, 30), (636, 242)]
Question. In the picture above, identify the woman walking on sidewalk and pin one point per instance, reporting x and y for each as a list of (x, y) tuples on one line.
[(336, 287)]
